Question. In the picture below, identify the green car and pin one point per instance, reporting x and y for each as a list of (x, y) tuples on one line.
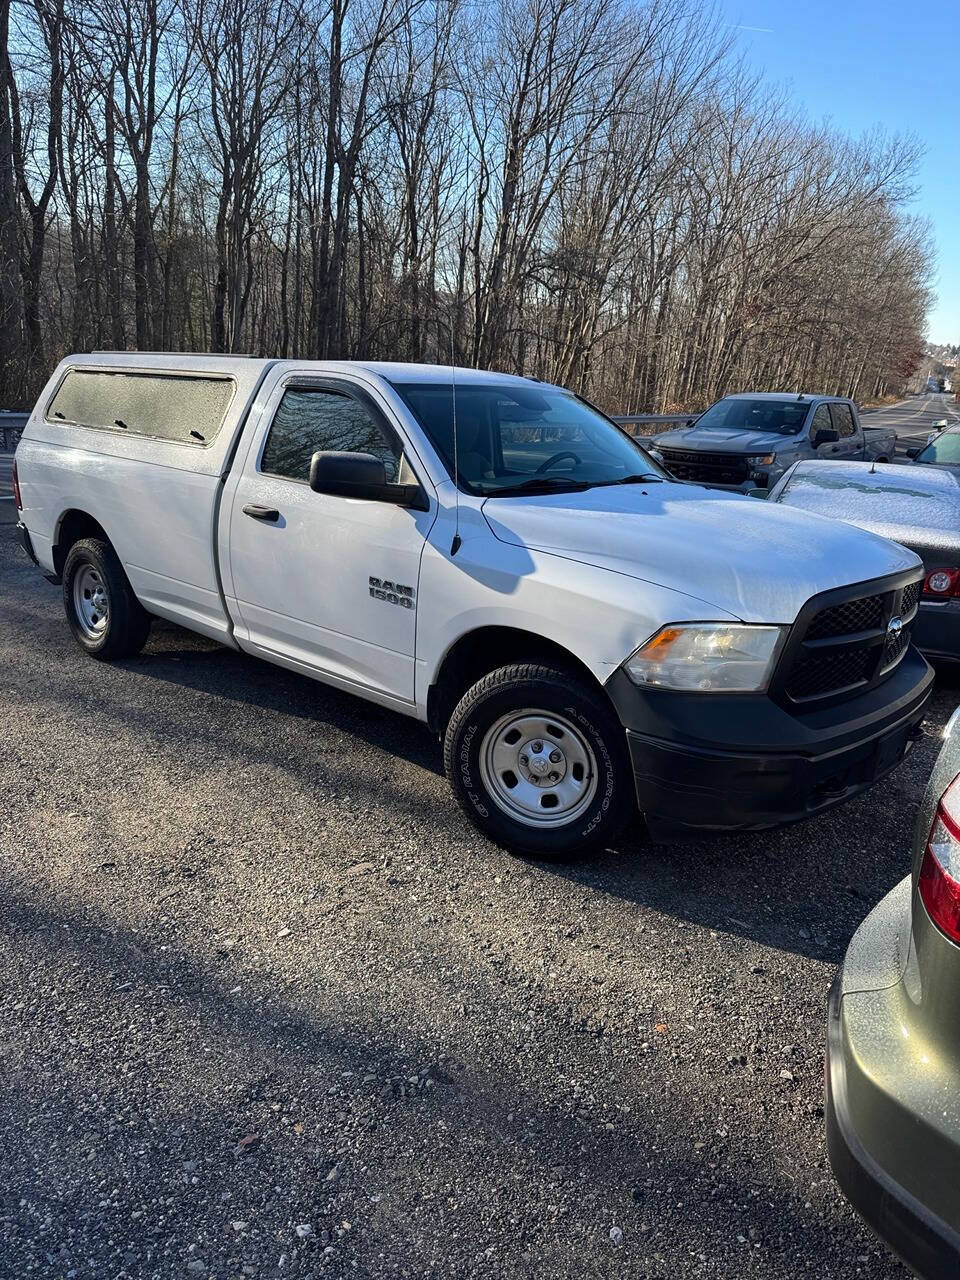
[(893, 1045)]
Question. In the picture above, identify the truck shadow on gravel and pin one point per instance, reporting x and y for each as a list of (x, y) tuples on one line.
[(802, 889), (195, 1104), (179, 657)]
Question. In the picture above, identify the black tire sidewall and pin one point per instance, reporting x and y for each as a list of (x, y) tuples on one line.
[(127, 624), (610, 806)]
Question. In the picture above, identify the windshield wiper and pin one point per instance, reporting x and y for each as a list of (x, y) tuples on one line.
[(545, 484), (643, 478)]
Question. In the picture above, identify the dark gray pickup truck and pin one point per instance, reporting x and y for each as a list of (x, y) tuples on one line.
[(748, 441)]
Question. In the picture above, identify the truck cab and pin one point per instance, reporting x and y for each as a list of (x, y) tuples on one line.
[(748, 441)]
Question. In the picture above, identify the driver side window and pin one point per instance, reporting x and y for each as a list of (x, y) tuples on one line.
[(821, 422), (310, 419), (843, 420)]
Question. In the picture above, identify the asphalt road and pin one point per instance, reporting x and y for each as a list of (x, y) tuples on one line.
[(913, 419), (269, 1008)]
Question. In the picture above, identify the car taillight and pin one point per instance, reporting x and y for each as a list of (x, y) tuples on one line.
[(939, 882), (942, 583), (16, 488)]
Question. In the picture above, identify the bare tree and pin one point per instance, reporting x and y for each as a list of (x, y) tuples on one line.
[(588, 190)]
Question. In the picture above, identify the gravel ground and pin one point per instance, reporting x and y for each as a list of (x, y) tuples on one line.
[(268, 1007)]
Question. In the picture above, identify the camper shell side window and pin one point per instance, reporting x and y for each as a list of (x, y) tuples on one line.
[(181, 408)]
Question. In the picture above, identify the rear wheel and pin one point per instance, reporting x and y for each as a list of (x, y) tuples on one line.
[(105, 616), (538, 761)]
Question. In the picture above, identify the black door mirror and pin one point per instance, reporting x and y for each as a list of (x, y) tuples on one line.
[(913, 453), (361, 475), (826, 435)]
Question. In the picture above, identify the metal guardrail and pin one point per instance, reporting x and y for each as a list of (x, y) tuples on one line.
[(11, 428), (650, 424)]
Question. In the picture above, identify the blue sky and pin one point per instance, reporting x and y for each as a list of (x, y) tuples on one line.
[(862, 64)]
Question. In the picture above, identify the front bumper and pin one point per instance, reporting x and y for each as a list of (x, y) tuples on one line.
[(740, 762), (925, 1242)]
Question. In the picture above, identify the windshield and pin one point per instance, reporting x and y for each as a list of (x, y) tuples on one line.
[(944, 451), (785, 417), (514, 439)]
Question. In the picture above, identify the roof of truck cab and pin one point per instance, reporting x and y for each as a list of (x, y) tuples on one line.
[(784, 397), (395, 371), (392, 371)]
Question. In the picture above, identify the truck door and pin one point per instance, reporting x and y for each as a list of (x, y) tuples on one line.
[(850, 444), (323, 583)]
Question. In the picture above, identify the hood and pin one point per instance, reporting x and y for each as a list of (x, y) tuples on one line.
[(758, 561), (724, 440)]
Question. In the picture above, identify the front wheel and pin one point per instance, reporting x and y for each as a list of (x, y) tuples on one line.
[(106, 618), (538, 762)]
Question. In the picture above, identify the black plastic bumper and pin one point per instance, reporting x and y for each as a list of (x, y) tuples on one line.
[(26, 543), (924, 1242), (741, 762)]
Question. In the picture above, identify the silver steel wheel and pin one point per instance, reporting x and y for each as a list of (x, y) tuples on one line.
[(91, 603), (538, 768)]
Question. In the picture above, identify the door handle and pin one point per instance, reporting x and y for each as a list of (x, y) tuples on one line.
[(270, 514)]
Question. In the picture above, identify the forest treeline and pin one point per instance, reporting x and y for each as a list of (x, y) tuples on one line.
[(590, 191)]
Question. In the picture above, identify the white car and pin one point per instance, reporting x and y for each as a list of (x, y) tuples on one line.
[(493, 556)]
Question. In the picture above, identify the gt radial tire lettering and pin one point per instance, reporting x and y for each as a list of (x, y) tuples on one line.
[(465, 777)]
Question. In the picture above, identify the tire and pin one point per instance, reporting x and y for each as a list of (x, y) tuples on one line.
[(106, 618), (500, 754)]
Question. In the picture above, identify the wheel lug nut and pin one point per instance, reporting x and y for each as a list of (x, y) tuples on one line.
[(554, 757), (524, 760), (536, 747)]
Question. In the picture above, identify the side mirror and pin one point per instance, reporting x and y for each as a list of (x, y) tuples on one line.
[(361, 475), (912, 453), (826, 435), (757, 493)]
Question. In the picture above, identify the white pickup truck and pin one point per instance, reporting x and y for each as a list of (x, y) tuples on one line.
[(493, 556)]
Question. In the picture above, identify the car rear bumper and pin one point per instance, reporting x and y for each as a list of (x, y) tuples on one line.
[(936, 631), (742, 763), (927, 1244)]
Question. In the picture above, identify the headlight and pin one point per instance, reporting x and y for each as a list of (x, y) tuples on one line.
[(713, 657), (762, 459)]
